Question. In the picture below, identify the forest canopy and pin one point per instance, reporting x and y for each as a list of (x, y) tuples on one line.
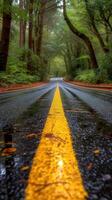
[(40, 39)]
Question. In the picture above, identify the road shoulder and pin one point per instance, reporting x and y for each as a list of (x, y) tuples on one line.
[(107, 87), (16, 87)]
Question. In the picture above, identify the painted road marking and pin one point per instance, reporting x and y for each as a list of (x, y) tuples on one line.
[(55, 174)]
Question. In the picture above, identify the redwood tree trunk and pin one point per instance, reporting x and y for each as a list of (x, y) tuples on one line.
[(30, 36), (22, 27), (30, 40), (5, 37), (81, 36), (40, 27)]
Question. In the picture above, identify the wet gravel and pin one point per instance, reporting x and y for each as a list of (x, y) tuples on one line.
[(92, 142)]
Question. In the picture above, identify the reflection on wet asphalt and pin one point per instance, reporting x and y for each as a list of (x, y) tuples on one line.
[(92, 142), (13, 104), (100, 101), (18, 143), (22, 118)]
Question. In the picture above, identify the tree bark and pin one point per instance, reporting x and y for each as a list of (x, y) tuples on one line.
[(30, 36), (102, 44), (30, 39), (97, 33), (40, 27), (5, 37), (81, 36), (22, 34), (22, 27)]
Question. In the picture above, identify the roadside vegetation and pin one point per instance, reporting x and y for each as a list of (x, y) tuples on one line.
[(40, 39)]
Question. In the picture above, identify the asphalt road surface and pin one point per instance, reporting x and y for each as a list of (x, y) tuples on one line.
[(23, 116)]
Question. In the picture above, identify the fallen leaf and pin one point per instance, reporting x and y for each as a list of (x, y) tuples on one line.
[(97, 151), (8, 151), (90, 166), (32, 135), (23, 168)]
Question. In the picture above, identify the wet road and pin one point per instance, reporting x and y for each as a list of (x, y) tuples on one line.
[(22, 118), (13, 104)]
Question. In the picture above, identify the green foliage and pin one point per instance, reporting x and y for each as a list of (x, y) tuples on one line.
[(78, 16), (30, 59), (88, 76), (57, 67), (101, 14), (102, 76), (94, 76), (17, 74), (63, 53), (83, 57), (104, 73), (43, 72), (18, 13)]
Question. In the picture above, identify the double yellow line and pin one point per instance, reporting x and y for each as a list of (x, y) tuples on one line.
[(55, 174)]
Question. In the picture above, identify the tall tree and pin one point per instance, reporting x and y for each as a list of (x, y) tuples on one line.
[(82, 36), (22, 38), (30, 40), (5, 36), (91, 14), (40, 26)]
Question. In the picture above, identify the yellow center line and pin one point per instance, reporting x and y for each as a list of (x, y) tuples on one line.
[(55, 174)]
